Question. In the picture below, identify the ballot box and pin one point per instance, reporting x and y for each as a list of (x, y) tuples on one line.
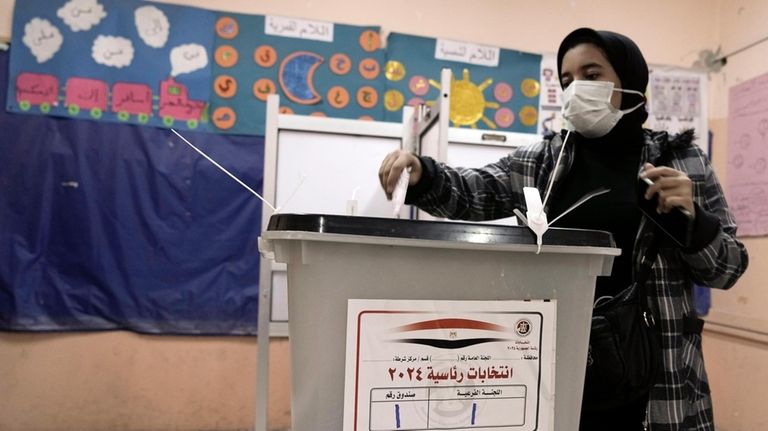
[(331, 259)]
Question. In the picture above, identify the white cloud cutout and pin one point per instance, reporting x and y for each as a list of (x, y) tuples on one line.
[(188, 58), (152, 25), (42, 38), (81, 15), (113, 51)]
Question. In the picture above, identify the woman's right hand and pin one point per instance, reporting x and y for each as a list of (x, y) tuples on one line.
[(392, 166)]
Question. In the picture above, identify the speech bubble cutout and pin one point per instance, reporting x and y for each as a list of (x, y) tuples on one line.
[(42, 38), (188, 58), (152, 25), (81, 15), (113, 51)]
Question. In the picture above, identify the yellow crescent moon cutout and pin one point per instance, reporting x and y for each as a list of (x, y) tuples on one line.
[(296, 77)]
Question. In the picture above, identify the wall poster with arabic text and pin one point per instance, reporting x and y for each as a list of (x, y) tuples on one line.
[(425, 365), (747, 185), (122, 61), (317, 68), (492, 88)]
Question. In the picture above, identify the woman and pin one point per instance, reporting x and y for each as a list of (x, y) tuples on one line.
[(605, 76)]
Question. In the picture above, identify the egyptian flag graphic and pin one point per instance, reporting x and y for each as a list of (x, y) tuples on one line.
[(451, 333)]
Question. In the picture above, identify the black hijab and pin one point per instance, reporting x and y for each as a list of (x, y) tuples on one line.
[(628, 62)]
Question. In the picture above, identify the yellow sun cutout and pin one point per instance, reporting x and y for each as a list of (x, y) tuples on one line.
[(468, 102)]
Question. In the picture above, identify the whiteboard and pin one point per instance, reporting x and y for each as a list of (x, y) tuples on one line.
[(320, 172), (475, 156)]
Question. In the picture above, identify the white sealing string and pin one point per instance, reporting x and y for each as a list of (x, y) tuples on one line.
[(293, 193), (275, 210), (554, 172), (586, 197)]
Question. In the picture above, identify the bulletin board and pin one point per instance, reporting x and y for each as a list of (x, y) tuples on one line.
[(318, 68), (164, 65), (493, 88), (112, 60)]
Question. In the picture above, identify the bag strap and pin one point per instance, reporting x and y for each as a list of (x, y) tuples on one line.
[(642, 277), (691, 324)]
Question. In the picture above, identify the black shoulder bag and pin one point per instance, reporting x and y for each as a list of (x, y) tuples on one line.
[(624, 358)]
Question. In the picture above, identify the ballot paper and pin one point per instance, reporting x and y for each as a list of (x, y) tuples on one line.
[(401, 189)]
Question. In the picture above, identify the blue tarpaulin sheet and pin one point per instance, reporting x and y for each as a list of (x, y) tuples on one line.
[(114, 226)]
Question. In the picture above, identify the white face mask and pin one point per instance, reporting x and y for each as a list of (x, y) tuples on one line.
[(587, 107)]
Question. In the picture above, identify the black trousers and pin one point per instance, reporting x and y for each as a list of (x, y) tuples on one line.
[(628, 417)]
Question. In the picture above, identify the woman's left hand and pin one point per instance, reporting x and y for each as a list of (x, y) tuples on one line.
[(673, 188)]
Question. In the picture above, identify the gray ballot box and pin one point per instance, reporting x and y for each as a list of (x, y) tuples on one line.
[(331, 259)]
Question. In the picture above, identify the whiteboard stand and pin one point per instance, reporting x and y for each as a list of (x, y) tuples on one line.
[(411, 116), (265, 274), (433, 136), (316, 165)]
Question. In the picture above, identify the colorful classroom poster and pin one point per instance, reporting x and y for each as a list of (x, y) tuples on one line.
[(123, 61), (317, 68), (422, 365), (492, 88), (747, 185)]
